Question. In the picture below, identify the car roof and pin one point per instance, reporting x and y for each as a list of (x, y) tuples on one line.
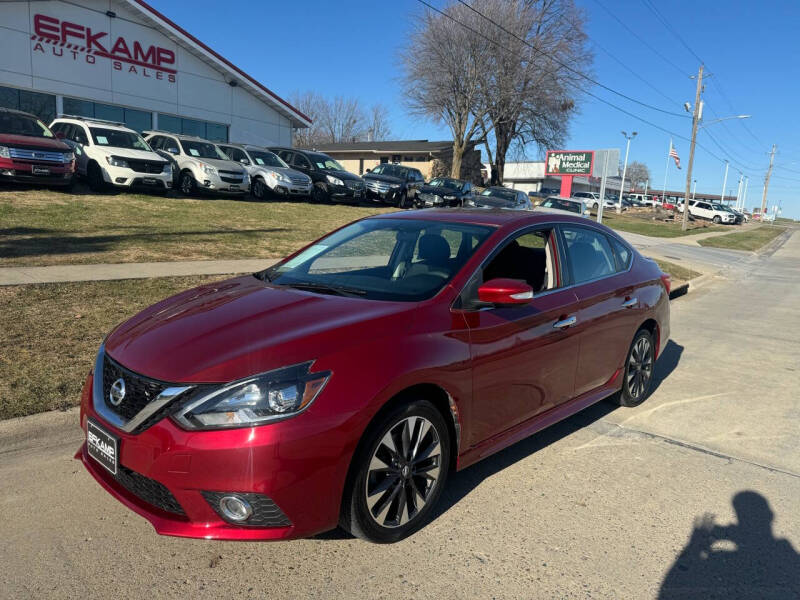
[(88, 121), (479, 216), (181, 136), (562, 198)]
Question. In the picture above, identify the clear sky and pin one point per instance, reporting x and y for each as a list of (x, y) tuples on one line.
[(750, 49)]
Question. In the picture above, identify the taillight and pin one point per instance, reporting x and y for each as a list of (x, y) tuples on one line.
[(667, 281)]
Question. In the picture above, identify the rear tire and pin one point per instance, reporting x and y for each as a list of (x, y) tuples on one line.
[(637, 374), (397, 474)]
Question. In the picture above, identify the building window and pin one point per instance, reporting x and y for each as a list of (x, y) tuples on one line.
[(408, 159), (41, 105), (384, 160), (138, 120), (395, 158), (216, 132), (169, 123)]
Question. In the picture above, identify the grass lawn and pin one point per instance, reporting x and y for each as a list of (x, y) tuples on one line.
[(642, 223), (746, 240), (51, 333), (43, 227), (677, 272)]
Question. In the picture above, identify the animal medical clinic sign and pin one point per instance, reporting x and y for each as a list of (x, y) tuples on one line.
[(566, 164), (74, 41)]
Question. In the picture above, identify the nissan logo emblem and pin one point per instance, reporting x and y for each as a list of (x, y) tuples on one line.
[(117, 392)]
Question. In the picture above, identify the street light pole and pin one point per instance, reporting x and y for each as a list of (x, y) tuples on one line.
[(724, 182), (693, 191), (698, 107), (744, 196), (624, 170)]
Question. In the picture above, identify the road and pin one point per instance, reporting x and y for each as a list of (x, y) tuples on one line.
[(612, 503)]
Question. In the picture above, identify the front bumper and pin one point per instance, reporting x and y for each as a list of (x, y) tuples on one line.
[(36, 173), (124, 177), (342, 192), (299, 464), (290, 189)]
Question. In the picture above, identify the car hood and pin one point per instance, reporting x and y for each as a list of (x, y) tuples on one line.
[(439, 190), (379, 177), (224, 165), (285, 170), (239, 327), (343, 175), (33, 143), (129, 153)]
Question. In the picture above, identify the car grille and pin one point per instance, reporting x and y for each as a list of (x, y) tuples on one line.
[(354, 184), (146, 166), (148, 490), (231, 176), (423, 197), (265, 512), (377, 186), (139, 390), (44, 155), (299, 180)]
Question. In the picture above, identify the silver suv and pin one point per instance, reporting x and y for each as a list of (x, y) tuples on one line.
[(198, 164), (268, 173)]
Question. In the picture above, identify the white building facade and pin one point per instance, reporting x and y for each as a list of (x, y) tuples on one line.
[(121, 60)]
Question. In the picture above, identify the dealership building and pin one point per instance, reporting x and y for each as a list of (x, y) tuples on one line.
[(123, 61)]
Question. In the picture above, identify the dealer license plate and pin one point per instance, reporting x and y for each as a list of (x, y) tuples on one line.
[(234, 188), (102, 446), (40, 170), (149, 181)]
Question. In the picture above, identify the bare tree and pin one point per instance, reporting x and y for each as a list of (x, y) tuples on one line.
[(443, 64), (342, 120), (339, 120), (638, 174), (378, 123), (312, 105), (528, 92)]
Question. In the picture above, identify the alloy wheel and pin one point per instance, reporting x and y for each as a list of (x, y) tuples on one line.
[(258, 189), (403, 472), (186, 184), (640, 367)]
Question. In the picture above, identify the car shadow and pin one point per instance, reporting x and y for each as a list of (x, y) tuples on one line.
[(735, 561), (667, 362)]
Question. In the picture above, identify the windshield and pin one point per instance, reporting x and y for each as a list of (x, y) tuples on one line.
[(199, 149), (562, 205), (391, 171), (453, 184), (118, 139), (14, 124), (325, 162), (509, 195), (266, 159), (382, 259)]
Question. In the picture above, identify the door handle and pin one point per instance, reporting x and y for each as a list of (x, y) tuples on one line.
[(564, 323), (630, 303)]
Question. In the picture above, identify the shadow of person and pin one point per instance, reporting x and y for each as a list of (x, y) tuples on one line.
[(742, 560)]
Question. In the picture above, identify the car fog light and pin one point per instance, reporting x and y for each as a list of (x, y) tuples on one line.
[(120, 180), (206, 183), (235, 508)]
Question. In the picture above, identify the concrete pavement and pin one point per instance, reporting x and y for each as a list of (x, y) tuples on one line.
[(692, 495)]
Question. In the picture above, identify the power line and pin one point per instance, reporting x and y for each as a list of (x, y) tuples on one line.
[(555, 60), (668, 25), (638, 37), (725, 97)]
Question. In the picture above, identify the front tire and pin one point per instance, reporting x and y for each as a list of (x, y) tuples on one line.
[(259, 189), (402, 201), (320, 193), (716, 219), (187, 184), (398, 474), (638, 371), (94, 177)]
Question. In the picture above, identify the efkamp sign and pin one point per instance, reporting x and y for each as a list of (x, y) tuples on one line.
[(569, 162)]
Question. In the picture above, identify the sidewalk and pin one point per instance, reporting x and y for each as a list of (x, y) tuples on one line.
[(64, 273)]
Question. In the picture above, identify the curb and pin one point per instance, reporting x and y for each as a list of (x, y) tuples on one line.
[(40, 430)]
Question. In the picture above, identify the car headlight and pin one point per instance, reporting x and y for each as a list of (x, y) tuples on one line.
[(334, 180), (68, 157), (469, 202), (449, 197), (116, 161), (5, 152), (208, 169), (394, 186), (279, 176), (167, 170), (256, 400)]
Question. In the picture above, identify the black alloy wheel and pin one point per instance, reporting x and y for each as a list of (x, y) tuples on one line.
[(402, 200), (187, 183), (638, 371), (320, 193), (398, 474), (259, 188)]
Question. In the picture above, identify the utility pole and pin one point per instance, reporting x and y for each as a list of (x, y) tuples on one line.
[(766, 180), (744, 195), (698, 107), (739, 189), (724, 182)]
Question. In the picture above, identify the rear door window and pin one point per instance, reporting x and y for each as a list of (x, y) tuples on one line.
[(589, 254)]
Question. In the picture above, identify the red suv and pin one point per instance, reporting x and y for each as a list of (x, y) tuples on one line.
[(30, 152), (343, 384)]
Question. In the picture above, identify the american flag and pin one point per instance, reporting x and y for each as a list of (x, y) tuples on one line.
[(674, 154)]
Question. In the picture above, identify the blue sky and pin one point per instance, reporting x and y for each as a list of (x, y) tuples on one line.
[(350, 48)]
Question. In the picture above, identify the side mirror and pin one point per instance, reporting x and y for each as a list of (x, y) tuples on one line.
[(60, 135), (368, 171), (244, 161), (504, 291), (172, 150)]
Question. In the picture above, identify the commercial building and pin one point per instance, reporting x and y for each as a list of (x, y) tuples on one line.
[(121, 60), (431, 158)]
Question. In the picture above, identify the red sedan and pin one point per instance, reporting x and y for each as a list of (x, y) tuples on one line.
[(343, 384)]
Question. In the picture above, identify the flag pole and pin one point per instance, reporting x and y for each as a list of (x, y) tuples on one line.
[(666, 170)]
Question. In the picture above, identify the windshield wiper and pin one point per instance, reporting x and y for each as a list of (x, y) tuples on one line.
[(324, 288)]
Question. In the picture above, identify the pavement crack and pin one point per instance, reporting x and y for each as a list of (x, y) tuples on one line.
[(607, 428)]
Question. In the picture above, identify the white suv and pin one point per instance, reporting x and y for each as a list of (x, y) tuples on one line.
[(268, 173), (592, 200), (700, 209), (111, 154), (199, 165)]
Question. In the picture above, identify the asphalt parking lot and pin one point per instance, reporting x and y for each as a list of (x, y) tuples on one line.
[(691, 495)]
